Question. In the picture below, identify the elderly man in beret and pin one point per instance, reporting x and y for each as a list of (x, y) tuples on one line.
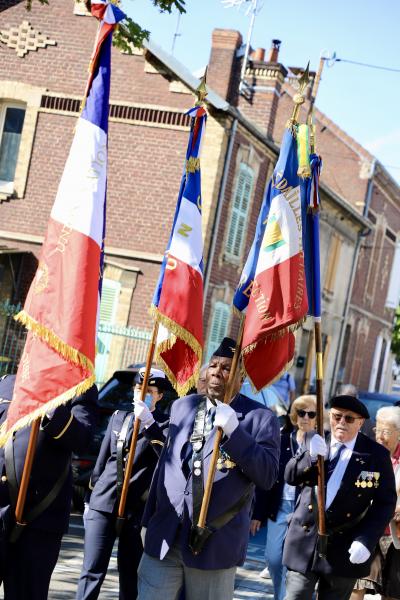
[(360, 501), (175, 556)]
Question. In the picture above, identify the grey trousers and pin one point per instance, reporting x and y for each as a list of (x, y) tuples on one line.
[(301, 586), (165, 579)]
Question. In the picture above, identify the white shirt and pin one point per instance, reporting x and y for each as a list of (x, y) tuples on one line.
[(336, 478)]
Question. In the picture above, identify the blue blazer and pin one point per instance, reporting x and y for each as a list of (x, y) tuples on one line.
[(253, 446), (345, 517), (68, 430), (103, 481)]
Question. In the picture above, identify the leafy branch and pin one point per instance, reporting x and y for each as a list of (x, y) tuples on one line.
[(129, 33), (396, 337)]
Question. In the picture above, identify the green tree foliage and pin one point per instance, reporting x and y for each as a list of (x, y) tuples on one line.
[(129, 33), (396, 336)]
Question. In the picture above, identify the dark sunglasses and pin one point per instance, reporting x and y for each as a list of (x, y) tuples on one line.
[(302, 413), (348, 418)]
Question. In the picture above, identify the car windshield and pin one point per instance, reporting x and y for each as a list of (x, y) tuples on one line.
[(116, 394)]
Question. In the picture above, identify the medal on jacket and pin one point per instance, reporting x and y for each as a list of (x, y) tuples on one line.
[(224, 461)]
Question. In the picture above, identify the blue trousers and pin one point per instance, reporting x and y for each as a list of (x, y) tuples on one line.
[(276, 532), (100, 536)]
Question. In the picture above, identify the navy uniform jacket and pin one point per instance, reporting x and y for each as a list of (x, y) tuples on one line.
[(253, 446), (68, 430), (103, 481), (344, 515), (267, 501)]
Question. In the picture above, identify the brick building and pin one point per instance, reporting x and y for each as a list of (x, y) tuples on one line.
[(42, 76)]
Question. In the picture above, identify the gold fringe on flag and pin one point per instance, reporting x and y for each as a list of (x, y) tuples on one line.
[(177, 332), (69, 354), (39, 413)]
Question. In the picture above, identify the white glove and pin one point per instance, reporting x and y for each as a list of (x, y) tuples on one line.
[(317, 446), (358, 553), (142, 412), (225, 417), (143, 534)]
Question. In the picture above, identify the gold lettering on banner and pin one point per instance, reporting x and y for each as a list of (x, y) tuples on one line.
[(41, 280), (184, 230), (260, 301), (247, 291), (25, 362), (98, 163), (199, 202)]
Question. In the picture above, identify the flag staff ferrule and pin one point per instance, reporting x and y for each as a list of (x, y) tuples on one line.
[(298, 98)]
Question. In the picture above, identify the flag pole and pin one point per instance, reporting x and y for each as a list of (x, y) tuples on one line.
[(136, 428), (218, 436), (322, 535)]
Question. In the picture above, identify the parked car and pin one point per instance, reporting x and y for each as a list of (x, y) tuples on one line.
[(116, 393)]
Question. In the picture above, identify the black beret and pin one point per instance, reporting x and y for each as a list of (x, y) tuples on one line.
[(7, 387), (226, 349), (350, 403)]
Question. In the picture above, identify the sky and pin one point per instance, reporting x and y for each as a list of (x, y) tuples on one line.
[(364, 102)]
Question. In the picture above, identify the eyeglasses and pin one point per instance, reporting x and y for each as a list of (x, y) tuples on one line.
[(384, 432), (348, 418), (302, 413)]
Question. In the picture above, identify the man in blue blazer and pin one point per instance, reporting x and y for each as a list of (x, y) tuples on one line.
[(249, 456), (360, 501), (26, 564)]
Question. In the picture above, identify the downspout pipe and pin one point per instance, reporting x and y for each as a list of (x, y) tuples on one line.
[(346, 309), (218, 212)]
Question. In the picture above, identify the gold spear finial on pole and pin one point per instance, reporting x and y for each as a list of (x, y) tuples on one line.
[(201, 91), (298, 98)]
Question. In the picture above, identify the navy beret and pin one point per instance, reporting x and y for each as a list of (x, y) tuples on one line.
[(350, 403), (7, 387), (226, 349)]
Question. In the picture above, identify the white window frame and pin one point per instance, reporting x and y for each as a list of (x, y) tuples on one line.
[(8, 186), (222, 331), (239, 213)]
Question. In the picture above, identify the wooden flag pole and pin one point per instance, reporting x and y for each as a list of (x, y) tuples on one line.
[(322, 536), (26, 473), (218, 436), (136, 426)]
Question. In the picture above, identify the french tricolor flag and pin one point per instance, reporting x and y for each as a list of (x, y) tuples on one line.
[(62, 306), (178, 300), (272, 290)]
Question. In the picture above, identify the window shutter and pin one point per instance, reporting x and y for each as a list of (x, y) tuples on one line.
[(240, 209), (219, 326), (109, 300)]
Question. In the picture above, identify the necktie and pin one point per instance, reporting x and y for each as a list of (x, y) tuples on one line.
[(331, 464), (209, 420)]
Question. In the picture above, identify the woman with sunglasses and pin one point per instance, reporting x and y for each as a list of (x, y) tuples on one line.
[(384, 577), (274, 507)]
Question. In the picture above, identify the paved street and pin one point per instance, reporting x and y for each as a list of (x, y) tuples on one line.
[(249, 586)]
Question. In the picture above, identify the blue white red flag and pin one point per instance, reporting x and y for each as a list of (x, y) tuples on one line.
[(178, 300), (272, 289), (61, 308)]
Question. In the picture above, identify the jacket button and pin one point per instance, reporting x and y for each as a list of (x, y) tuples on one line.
[(186, 493), (3, 478), (348, 515), (310, 507), (305, 527)]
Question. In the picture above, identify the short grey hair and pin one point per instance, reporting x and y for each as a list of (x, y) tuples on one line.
[(390, 413)]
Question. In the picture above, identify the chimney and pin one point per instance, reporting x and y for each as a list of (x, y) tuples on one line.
[(224, 65), (264, 80), (258, 55), (274, 51)]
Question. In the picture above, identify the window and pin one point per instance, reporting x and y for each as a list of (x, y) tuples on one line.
[(219, 326), (11, 123), (240, 209)]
